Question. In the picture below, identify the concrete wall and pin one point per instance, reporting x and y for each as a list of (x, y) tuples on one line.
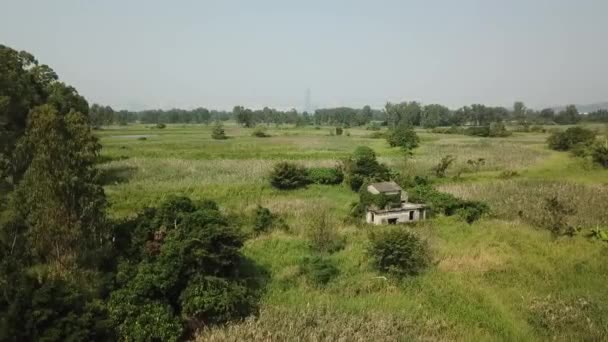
[(401, 216)]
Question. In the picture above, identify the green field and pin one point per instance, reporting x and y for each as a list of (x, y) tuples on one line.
[(497, 279)]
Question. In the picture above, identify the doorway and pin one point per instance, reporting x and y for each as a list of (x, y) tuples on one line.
[(392, 221), (411, 216)]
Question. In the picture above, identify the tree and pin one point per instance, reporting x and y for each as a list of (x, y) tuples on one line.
[(434, 115), (519, 112), (568, 116), (60, 197), (218, 132), (408, 113), (403, 136), (243, 116), (547, 114), (286, 176)]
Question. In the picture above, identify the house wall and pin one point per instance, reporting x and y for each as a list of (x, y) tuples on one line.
[(402, 216)]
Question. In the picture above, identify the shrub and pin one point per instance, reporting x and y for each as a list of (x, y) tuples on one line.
[(564, 141), (339, 130), (286, 176), (403, 136), (476, 164), (399, 252), (260, 132), (362, 166), (498, 129), (324, 237), (325, 175), (317, 127), (448, 204), (472, 211), (181, 268), (508, 174), (263, 219), (320, 270), (373, 126), (537, 129), (441, 168), (600, 155), (161, 125), (218, 132), (555, 217), (142, 138), (377, 135)]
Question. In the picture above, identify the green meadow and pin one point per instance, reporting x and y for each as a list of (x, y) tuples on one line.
[(500, 278)]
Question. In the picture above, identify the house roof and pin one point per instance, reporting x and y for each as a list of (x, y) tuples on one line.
[(386, 187)]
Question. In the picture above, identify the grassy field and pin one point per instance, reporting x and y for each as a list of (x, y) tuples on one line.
[(498, 279)]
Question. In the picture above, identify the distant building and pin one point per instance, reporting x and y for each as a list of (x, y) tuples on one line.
[(397, 209)]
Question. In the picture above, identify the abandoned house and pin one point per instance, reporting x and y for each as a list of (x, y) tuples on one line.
[(394, 205)]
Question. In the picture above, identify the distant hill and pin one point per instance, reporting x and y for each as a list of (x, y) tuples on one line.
[(587, 108)]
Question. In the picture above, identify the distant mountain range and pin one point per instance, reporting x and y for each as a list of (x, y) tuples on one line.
[(587, 108)]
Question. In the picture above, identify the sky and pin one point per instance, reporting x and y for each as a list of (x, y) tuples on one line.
[(135, 55)]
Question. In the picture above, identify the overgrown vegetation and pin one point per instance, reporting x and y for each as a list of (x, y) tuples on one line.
[(286, 176), (571, 137), (398, 252), (362, 167)]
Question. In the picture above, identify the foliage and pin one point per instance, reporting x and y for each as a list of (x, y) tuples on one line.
[(263, 219), (447, 204), (441, 168), (218, 132), (182, 268), (160, 126), (339, 131), (260, 132), (323, 235), (403, 136), (507, 174), (564, 141), (320, 270), (287, 176), (555, 217), (398, 251), (325, 175), (599, 154), (50, 310), (599, 234), (363, 167)]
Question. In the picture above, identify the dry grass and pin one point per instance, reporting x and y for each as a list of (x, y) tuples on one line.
[(513, 199), (325, 324)]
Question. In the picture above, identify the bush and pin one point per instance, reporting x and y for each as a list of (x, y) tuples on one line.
[(362, 167), (181, 268), (403, 136), (564, 141), (324, 237), (263, 219), (218, 132), (377, 135), (320, 270), (537, 129), (472, 211), (399, 252), (441, 168), (142, 138), (555, 217), (286, 176), (508, 174), (600, 155), (260, 132), (325, 175), (161, 125), (339, 130), (447, 204)]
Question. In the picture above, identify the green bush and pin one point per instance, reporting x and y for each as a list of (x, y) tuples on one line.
[(263, 220), (472, 211), (339, 130), (260, 132), (325, 175), (161, 125), (403, 136), (181, 267), (323, 235), (362, 167), (218, 132), (600, 155), (448, 204), (564, 141), (398, 251), (320, 270), (286, 176)]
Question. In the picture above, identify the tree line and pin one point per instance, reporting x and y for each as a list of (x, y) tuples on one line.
[(393, 114)]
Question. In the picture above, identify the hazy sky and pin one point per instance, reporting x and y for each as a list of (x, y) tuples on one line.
[(217, 54)]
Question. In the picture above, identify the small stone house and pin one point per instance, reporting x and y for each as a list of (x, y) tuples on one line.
[(396, 209)]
